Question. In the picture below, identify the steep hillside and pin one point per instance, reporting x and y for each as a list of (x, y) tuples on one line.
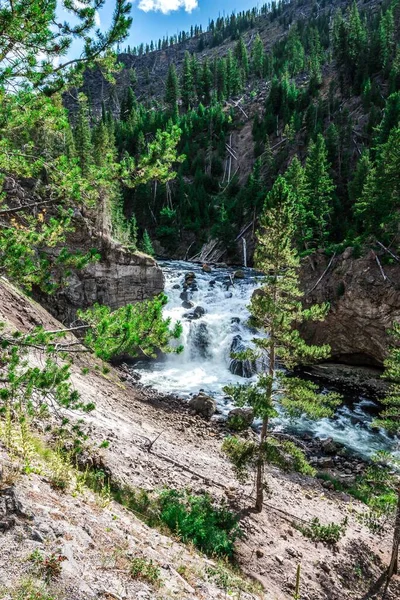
[(249, 95), (50, 514)]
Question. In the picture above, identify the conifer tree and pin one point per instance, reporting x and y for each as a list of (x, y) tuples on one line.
[(172, 90), (146, 245), (221, 79), (206, 81), (389, 419), (257, 55), (275, 310), (319, 189), (187, 91), (242, 57), (82, 134)]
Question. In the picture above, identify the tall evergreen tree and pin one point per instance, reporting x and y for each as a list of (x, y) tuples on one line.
[(319, 189), (187, 89), (257, 57), (275, 309), (82, 136), (172, 90)]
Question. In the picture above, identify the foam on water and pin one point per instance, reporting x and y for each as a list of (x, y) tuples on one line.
[(204, 363)]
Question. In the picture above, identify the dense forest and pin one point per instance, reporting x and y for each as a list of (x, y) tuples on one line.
[(324, 103)]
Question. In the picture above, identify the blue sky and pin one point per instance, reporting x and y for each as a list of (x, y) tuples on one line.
[(153, 19)]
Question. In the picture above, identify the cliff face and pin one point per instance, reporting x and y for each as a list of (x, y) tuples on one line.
[(120, 276), (364, 300)]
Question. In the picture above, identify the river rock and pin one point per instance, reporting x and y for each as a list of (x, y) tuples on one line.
[(240, 418), (239, 274), (187, 304), (329, 446), (203, 405), (199, 311), (206, 268)]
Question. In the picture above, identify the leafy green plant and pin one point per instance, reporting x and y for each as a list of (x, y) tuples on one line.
[(213, 529), (49, 566), (145, 569), (328, 534), (31, 589)]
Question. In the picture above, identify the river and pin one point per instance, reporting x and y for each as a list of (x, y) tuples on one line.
[(220, 326)]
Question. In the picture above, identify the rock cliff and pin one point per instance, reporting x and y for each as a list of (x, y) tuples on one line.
[(365, 301)]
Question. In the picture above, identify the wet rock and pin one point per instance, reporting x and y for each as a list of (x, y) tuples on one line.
[(206, 268), (329, 446), (185, 296), (324, 462), (189, 276), (203, 405), (212, 283), (240, 418), (235, 320), (176, 286), (199, 311), (200, 340), (187, 304), (242, 368), (239, 274)]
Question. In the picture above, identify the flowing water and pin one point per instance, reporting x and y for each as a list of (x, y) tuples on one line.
[(218, 327)]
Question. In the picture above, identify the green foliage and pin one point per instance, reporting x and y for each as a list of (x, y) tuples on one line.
[(212, 529), (30, 589), (146, 570), (135, 329), (47, 41), (146, 245), (328, 534), (49, 566)]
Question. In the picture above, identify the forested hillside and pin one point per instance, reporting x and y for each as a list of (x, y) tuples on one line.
[(303, 89)]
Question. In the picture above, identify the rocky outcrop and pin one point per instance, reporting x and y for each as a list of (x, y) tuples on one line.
[(120, 277), (364, 298)]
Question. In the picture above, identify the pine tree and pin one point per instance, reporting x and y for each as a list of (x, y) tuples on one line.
[(221, 79), (172, 90), (187, 90), (257, 54), (319, 191), (82, 135), (389, 419), (242, 57), (206, 80), (275, 310), (146, 245)]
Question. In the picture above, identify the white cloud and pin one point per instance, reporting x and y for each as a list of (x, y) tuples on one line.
[(97, 19), (167, 6)]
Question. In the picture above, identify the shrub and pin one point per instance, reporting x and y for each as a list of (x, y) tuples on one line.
[(142, 568), (328, 534), (213, 529)]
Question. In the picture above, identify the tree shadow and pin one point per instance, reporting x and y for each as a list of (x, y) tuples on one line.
[(375, 588)]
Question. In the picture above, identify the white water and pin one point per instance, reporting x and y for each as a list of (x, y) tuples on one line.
[(204, 363)]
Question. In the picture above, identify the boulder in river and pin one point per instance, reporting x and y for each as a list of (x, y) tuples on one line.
[(206, 268), (239, 274), (329, 446), (187, 304), (203, 405), (240, 418)]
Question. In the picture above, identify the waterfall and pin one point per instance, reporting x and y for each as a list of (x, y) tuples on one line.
[(212, 305), (244, 251)]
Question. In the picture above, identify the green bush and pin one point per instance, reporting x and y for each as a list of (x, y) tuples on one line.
[(328, 534), (147, 570), (213, 529)]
